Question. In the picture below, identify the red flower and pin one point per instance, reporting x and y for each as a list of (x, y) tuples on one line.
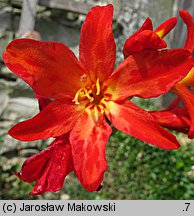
[(83, 93), (181, 89), (146, 39)]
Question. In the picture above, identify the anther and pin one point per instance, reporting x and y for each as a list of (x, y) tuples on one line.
[(97, 87), (87, 93), (77, 96)]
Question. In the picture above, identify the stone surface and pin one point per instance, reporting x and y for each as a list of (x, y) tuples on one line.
[(80, 6), (20, 107), (4, 98), (15, 110)]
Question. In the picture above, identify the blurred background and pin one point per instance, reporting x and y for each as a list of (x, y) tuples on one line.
[(136, 170)]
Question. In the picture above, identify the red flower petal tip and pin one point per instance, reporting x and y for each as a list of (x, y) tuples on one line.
[(163, 29)]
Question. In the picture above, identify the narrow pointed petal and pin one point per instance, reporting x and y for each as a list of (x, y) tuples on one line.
[(50, 68), (54, 120), (187, 97), (144, 40), (97, 49), (164, 28), (189, 21), (147, 25), (88, 143), (130, 119), (55, 171), (49, 167), (176, 119), (33, 168), (149, 73), (189, 79)]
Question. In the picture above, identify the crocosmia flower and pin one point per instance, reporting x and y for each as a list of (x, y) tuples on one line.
[(84, 93), (185, 94), (147, 38)]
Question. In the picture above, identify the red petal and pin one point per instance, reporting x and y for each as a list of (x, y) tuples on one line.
[(54, 120), (144, 40), (33, 168), (88, 142), (187, 97), (55, 171), (130, 119), (97, 47), (166, 27), (176, 119), (147, 25), (189, 21), (50, 68), (189, 79), (149, 73)]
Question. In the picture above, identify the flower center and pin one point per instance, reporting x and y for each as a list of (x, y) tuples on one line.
[(92, 93)]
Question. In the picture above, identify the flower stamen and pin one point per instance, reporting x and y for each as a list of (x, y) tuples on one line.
[(87, 94), (93, 93), (97, 87), (77, 96)]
